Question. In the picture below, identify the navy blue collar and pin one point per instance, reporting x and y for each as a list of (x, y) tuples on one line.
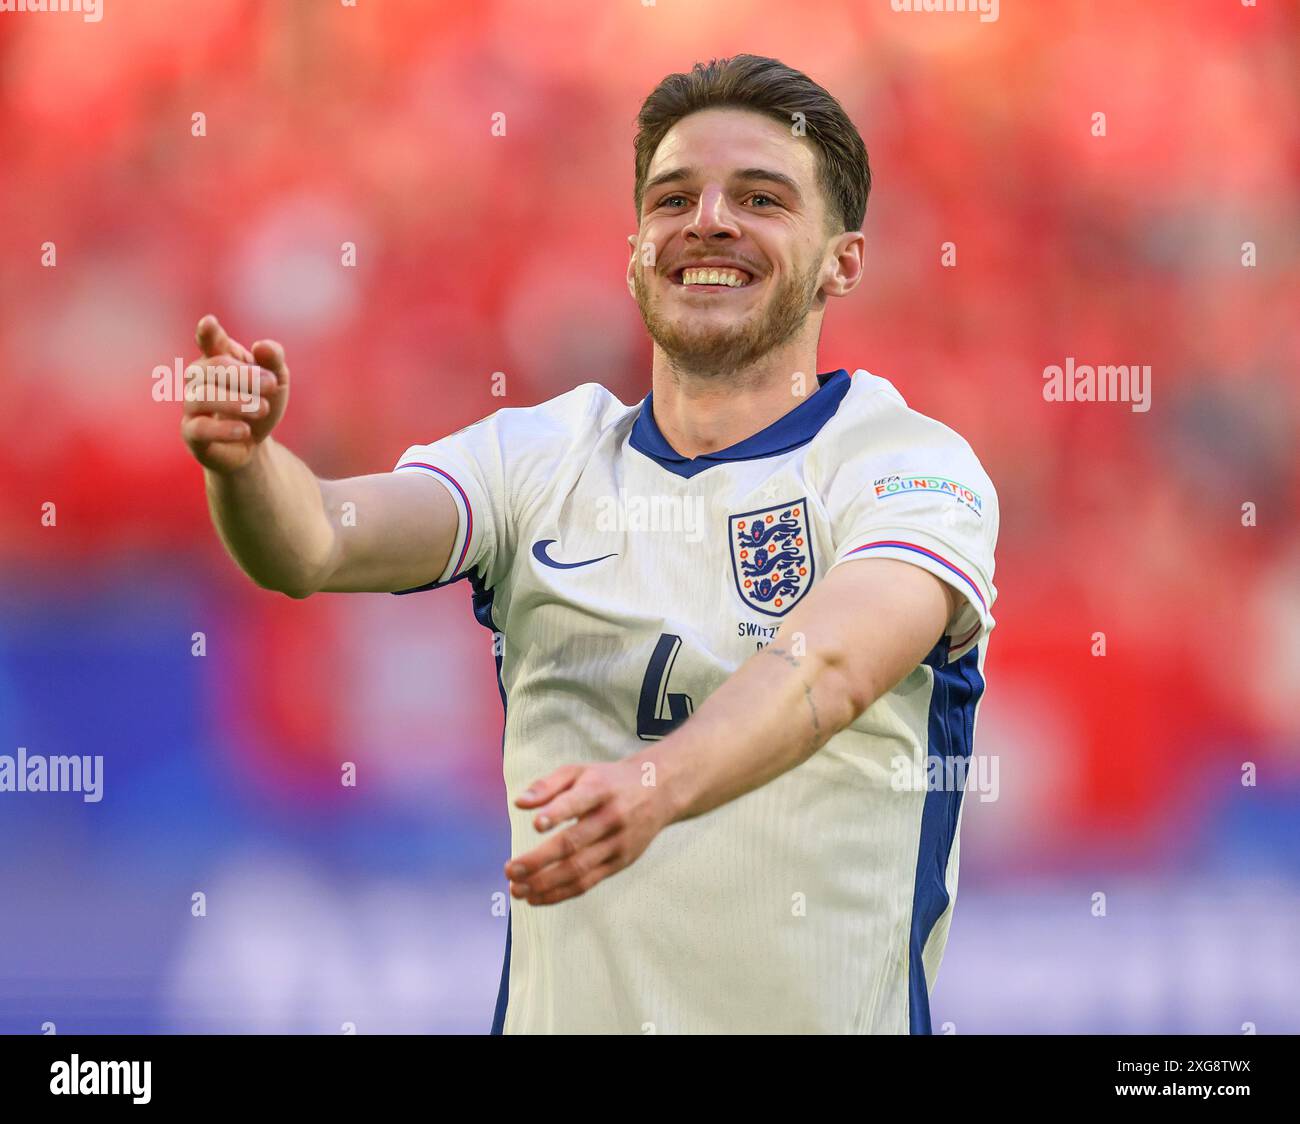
[(789, 431)]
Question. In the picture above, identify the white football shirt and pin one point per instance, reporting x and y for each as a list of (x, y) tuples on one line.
[(627, 583)]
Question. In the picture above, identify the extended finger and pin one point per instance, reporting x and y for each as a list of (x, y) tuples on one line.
[(572, 803), (213, 340), (562, 846), (539, 792), (570, 869), (578, 886)]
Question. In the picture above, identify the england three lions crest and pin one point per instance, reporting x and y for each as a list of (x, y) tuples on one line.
[(771, 556)]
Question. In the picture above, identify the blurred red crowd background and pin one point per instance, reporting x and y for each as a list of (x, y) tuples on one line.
[(477, 253)]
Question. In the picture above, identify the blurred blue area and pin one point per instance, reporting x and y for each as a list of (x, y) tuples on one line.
[(96, 926), (322, 911)]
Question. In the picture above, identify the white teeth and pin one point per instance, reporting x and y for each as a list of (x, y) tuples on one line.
[(712, 276)]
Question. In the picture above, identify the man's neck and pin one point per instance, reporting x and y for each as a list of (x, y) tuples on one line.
[(702, 414)]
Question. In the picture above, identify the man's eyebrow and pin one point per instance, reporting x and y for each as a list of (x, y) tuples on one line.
[(673, 175), (771, 177), (670, 176)]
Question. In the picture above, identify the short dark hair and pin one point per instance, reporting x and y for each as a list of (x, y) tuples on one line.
[(769, 87)]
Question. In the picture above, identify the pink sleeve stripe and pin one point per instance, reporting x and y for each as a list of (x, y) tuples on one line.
[(469, 511), (893, 544)]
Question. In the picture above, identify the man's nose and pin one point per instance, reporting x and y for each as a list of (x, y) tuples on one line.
[(713, 216)]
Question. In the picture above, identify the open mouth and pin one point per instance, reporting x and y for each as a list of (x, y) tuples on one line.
[(712, 277)]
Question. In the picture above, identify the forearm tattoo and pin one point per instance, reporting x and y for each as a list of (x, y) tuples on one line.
[(795, 662)]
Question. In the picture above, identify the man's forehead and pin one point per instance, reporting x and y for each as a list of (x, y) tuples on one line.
[(725, 141)]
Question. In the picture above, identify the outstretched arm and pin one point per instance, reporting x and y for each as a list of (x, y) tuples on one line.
[(853, 637), (287, 529)]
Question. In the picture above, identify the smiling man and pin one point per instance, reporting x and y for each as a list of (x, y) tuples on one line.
[(720, 741)]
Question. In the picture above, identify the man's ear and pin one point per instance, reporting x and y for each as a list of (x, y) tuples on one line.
[(631, 264), (849, 262)]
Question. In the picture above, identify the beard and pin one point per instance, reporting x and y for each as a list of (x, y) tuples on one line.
[(714, 351)]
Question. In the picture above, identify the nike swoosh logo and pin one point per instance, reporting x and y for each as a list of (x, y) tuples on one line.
[(539, 552)]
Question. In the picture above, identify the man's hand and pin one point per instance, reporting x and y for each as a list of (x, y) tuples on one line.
[(619, 810), (220, 430)]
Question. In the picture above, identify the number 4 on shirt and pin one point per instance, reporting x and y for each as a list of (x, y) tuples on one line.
[(651, 721)]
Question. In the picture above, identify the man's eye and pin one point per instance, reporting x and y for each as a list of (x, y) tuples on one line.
[(759, 195), (669, 198)]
